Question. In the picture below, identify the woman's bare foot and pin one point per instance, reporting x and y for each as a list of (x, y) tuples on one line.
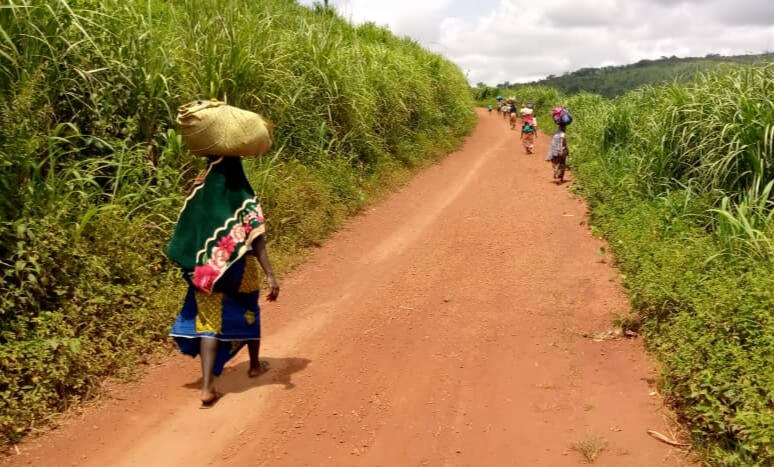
[(209, 398), (259, 369)]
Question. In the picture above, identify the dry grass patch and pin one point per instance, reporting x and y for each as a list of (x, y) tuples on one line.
[(589, 447)]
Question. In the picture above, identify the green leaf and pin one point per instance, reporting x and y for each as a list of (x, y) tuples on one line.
[(74, 345)]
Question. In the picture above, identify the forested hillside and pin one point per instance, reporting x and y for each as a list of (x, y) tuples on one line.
[(614, 81)]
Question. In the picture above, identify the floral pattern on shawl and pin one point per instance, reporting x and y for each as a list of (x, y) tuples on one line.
[(228, 244)]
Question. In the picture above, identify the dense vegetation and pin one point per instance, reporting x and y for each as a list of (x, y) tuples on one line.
[(613, 81), (679, 178), (92, 173)]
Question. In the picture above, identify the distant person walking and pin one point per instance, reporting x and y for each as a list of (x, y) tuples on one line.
[(527, 109), (559, 151), (512, 115), (490, 109), (528, 132)]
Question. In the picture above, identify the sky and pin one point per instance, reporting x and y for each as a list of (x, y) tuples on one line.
[(494, 41)]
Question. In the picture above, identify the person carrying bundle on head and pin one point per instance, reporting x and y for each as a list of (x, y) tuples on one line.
[(527, 109), (528, 132), (559, 151), (219, 243)]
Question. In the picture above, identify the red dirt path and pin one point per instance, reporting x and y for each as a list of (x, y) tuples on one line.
[(441, 327)]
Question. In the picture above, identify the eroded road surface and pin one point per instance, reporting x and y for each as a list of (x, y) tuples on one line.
[(443, 326)]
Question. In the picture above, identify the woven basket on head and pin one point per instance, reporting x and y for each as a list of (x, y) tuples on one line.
[(212, 128)]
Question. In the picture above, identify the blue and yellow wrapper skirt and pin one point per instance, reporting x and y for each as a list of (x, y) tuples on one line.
[(229, 314)]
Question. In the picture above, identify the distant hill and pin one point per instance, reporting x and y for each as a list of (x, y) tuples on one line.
[(613, 81)]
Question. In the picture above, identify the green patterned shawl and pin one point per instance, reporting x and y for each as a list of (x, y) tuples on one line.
[(217, 225)]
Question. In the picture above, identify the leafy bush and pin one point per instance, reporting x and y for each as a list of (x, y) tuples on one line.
[(92, 173)]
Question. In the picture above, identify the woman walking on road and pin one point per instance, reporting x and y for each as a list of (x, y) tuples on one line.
[(527, 109), (559, 151), (528, 131), (219, 244), (222, 228)]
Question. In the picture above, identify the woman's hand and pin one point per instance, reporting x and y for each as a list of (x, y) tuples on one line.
[(274, 288), (259, 249)]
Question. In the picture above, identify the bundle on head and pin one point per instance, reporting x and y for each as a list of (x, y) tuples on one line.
[(562, 115), (212, 128)]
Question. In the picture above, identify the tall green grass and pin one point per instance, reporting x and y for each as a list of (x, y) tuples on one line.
[(679, 179), (92, 172)]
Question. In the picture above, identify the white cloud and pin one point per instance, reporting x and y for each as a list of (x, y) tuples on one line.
[(520, 40), (415, 18)]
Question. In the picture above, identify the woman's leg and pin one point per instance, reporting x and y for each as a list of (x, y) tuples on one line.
[(254, 348), (561, 168), (208, 349), (257, 367)]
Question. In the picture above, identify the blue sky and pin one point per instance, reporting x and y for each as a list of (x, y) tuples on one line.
[(521, 40)]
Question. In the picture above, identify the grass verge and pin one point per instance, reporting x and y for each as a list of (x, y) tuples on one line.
[(676, 179)]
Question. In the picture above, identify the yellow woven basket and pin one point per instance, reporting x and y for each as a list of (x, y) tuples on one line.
[(212, 128)]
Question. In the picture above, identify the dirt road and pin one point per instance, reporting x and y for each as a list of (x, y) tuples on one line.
[(441, 327)]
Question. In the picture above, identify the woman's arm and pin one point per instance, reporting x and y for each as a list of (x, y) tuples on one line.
[(259, 250)]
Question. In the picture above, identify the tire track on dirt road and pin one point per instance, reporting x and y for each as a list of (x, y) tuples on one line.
[(440, 327)]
